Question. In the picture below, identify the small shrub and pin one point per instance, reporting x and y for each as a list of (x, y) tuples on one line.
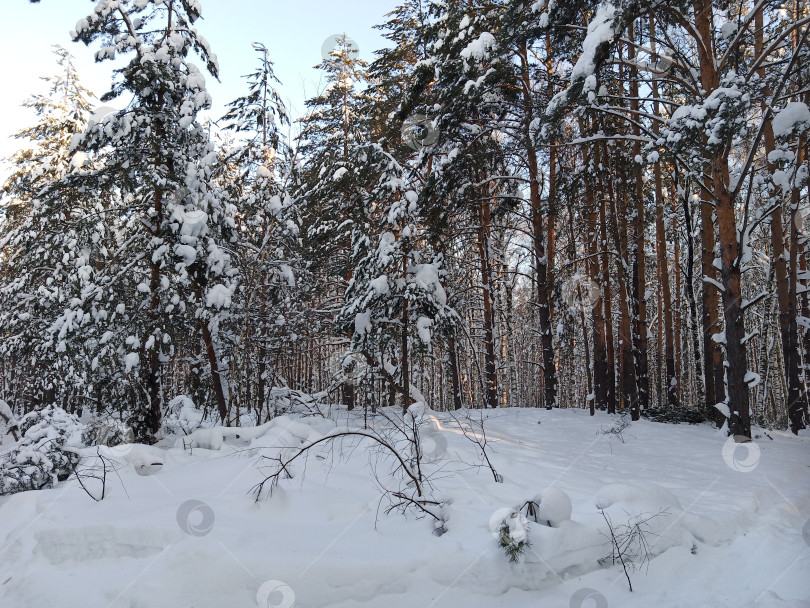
[(673, 415), (182, 417)]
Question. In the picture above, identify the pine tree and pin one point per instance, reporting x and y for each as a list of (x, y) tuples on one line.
[(390, 75), (156, 275), (333, 125), (395, 301), (269, 228), (467, 184)]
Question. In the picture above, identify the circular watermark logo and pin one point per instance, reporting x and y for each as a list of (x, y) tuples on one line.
[(119, 438), (432, 443), (275, 594), (741, 454), (113, 432), (336, 43), (664, 60), (581, 293), (195, 518), (99, 114), (347, 366), (418, 132), (588, 598)]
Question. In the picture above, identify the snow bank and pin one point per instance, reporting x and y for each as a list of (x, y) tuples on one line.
[(627, 501), (734, 538), (282, 431)]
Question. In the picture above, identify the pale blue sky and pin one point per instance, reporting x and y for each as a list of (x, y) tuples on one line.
[(293, 30)]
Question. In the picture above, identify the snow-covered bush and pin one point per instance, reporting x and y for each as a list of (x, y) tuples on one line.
[(284, 400), (182, 418), (39, 460)]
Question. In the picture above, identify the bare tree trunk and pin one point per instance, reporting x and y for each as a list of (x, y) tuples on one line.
[(262, 367), (739, 422), (627, 371), (600, 359), (219, 393), (785, 286), (796, 401), (541, 260), (712, 351), (678, 309), (663, 265), (706, 379), (406, 376), (454, 377), (490, 363), (729, 246), (153, 414), (639, 254), (607, 292)]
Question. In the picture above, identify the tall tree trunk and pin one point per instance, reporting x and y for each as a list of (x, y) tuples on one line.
[(454, 376), (785, 287), (712, 351), (678, 307), (490, 362), (805, 338), (406, 374), (739, 422), (219, 393), (639, 254), (796, 398), (627, 368), (607, 290), (765, 340), (153, 414), (703, 380), (729, 247), (262, 367), (544, 287), (590, 400), (663, 264), (592, 242)]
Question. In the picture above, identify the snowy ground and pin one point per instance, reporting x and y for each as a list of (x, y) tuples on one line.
[(736, 532)]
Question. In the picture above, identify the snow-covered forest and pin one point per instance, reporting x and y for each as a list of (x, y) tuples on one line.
[(516, 313)]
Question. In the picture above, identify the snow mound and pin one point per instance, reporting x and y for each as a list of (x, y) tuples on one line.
[(669, 522), (553, 507), (282, 431)]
